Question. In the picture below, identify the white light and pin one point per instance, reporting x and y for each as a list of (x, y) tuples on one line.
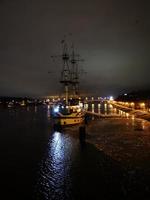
[(81, 105), (111, 98), (56, 109), (47, 100)]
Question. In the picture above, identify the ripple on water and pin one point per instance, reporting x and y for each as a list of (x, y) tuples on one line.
[(54, 181)]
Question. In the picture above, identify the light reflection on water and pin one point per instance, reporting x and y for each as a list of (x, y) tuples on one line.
[(48, 112), (35, 108), (133, 120), (105, 108), (54, 181), (54, 175), (23, 149), (143, 124), (93, 107), (99, 105)]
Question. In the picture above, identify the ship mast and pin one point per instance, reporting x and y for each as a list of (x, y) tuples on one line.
[(65, 73), (75, 71), (70, 72)]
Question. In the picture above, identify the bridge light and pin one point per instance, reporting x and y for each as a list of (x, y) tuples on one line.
[(132, 104), (142, 105)]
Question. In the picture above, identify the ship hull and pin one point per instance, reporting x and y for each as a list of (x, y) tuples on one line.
[(69, 121)]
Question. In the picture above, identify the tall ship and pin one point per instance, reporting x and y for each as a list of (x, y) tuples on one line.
[(70, 110)]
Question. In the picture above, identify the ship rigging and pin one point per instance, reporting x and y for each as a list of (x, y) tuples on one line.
[(69, 112)]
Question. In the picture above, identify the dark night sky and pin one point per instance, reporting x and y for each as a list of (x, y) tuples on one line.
[(113, 36)]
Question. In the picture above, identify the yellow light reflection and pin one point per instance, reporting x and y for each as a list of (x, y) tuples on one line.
[(133, 120), (115, 110), (99, 106), (143, 124), (127, 115), (133, 117), (92, 107)]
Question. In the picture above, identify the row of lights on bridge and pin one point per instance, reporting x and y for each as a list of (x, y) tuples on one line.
[(85, 98)]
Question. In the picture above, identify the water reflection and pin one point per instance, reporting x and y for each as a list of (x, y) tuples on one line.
[(99, 107), (143, 124), (63, 158), (93, 110), (54, 181), (105, 108), (35, 109), (133, 120), (48, 112), (86, 106), (54, 176), (127, 115)]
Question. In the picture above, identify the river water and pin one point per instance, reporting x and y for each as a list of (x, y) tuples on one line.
[(40, 164)]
